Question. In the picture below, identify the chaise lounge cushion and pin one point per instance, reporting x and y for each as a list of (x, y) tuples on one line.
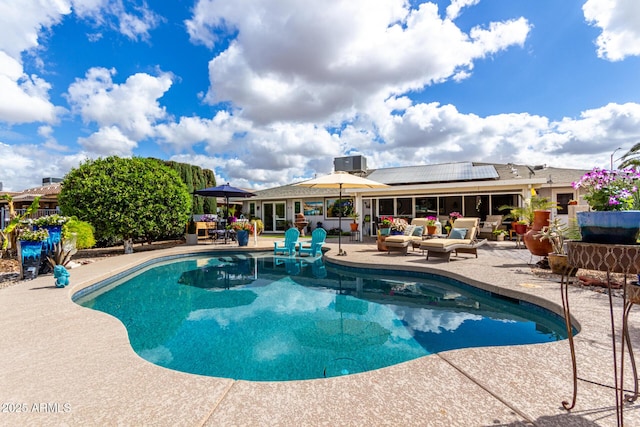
[(445, 246), (403, 241)]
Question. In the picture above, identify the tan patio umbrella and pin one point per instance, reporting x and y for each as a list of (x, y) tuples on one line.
[(341, 180)]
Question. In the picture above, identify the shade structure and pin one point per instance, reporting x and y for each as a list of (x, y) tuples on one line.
[(341, 180), (225, 191)]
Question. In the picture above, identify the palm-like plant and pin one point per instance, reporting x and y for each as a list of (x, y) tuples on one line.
[(631, 159), (527, 211)]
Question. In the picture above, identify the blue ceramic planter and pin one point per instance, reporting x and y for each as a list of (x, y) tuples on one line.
[(30, 256), (610, 227), (242, 237), (55, 235)]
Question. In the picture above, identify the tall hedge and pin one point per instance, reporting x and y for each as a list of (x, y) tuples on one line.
[(127, 199), (196, 178)]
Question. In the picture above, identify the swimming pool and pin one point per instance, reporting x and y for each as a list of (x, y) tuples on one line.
[(257, 317)]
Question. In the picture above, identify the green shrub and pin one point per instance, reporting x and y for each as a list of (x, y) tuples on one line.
[(83, 231)]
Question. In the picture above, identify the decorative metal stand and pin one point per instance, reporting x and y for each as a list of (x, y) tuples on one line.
[(623, 259)]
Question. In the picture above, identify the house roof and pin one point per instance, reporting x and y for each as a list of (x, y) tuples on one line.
[(463, 172), (48, 191), (423, 174)]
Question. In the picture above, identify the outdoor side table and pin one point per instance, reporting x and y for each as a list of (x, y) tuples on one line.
[(623, 259), (354, 236)]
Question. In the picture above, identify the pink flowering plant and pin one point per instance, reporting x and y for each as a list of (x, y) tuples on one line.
[(607, 190), (386, 221), (431, 220), (455, 215)]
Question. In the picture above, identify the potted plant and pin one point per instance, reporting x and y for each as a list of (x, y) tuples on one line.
[(385, 222), (242, 229), (556, 233), (398, 225), (431, 224), (354, 224), (536, 212), (30, 251), (53, 224), (191, 237), (499, 234), (520, 226), (259, 225), (614, 197)]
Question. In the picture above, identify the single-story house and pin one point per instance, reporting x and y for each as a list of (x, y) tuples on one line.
[(470, 188)]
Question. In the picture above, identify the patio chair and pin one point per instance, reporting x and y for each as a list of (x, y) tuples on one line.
[(412, 237), (489, 225), (462, 239), (314, 247), (289, 244)]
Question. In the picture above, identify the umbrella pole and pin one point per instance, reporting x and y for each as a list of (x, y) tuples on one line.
[(340, 252), (226, 219)]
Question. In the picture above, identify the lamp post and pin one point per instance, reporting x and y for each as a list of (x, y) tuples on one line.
[(614, 152)]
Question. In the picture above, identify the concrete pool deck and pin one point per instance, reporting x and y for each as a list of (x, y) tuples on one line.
[(62, 364)]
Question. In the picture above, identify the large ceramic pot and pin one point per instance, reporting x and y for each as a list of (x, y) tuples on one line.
[(559, 264), (243, 237), (432, 229), (30, 257), (531, 241), (520, 228), (611, 227), (55, 236)]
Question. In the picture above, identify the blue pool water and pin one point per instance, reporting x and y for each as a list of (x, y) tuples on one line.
[(264, 318)]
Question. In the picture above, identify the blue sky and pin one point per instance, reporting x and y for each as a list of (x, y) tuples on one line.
[(266, 92)]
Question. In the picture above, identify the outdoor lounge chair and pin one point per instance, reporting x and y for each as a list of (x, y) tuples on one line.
[(489, 225), (289, 244), (314, 247), (456, 241), (413, 238)]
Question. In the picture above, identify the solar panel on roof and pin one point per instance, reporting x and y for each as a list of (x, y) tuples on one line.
[(434, 173)]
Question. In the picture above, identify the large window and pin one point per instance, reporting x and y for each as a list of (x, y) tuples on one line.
[(385, 207), (476, 206), (405, 207), (450, 204), (426, 206), (500, 200)]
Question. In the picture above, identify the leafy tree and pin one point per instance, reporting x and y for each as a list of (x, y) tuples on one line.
[(126, 198), (196, 178)]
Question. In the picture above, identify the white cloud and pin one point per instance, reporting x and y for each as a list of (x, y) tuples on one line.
[(132, 106), (456, 6), (131, 19), (21, 24), (108, 141), (22, 169), (431, 133), (262, 156), (619, 21), (285, 65), (24, 98)]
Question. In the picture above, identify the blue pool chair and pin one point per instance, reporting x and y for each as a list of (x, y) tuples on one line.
[(314, 247), (289, 244)]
